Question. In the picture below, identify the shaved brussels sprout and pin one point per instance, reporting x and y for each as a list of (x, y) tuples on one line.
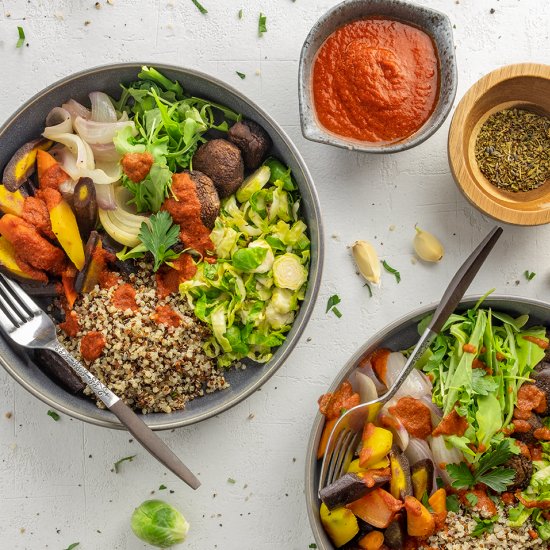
[(159, 524), (288, 272)]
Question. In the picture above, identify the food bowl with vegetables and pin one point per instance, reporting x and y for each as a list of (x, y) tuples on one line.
[(171, 230), (460, 455)]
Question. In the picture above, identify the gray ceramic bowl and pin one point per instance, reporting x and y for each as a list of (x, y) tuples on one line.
[(28, 122), (401, 334), (434, 23)]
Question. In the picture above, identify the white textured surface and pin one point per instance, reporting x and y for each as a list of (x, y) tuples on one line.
[(56, 484)]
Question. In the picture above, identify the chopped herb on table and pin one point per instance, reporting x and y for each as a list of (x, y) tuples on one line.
[(201, 8), (369, 289), (119, 462), (529, 275), (162, 487), (242, 76), (21, 41), (391, 270), (262, 24), (312, 545), (54, 415), (333, 301), (73, 545), (240, 14), (231, 480)]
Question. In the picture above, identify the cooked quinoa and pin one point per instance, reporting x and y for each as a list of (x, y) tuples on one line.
[(456, 535), (151, 366)]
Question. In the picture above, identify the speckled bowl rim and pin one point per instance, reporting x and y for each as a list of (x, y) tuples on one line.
[(314, 131), (170, 421), (376, 340)]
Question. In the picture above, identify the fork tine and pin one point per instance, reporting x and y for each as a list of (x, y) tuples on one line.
[(348, 456), (8, 309), (338, 455), (16, 311), (6, 320), (23, 298)]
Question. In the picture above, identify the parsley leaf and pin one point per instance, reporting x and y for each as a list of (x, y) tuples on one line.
[(242, 76), (482, 384), (452, 503), (54, 415), (499, 479), (119, 462), (495, 458), (162, 487), (331, 305), (159, 236), (391, 270), (472, 499), (484, 526), (529, 275), (461, 476), (21, 41), (261, 24), (202, 9)]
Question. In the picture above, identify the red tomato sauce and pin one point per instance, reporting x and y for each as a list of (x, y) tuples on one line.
[(91, 345), (124, 297), (375, 80)]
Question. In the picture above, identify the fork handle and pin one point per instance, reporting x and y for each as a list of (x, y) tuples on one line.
[(150, 441), (100, 389)]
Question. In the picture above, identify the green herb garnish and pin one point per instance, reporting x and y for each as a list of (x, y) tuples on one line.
[(369, 289), (54, 415), (21, 41), (231, 480), (242, 76), (240, 13), (262, 24), (452, 503), (73, 545), (312, 545), (201, 8), (162, 487), (391, 270), (484, 526), (119, 462), (487, 470), (529, 275), (472, 499), (333, 301)]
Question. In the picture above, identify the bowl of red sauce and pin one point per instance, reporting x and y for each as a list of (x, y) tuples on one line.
[(377, 76)]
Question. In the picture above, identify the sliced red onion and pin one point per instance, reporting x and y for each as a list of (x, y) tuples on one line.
[(416, 385), (444, 455), (103, 109), (66, 159), (364, 386), (366, 368), (93, 132), (105, 197), (435, 411), (105, 152), (58, 121), (400, 435), (76, 109), (67, 189), (417, 450)]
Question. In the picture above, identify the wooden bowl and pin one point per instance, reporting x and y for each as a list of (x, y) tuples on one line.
[(526, 86)]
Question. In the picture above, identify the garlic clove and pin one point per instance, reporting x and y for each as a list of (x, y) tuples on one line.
[(427, 246), (367, 261)]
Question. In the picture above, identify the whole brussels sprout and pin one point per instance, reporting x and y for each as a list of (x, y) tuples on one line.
[(159, 524)]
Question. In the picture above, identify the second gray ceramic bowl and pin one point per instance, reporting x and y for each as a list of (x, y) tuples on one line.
[(401, 334), (28, 122), (434, 23)]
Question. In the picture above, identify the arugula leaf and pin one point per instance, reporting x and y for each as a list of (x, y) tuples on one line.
[(391, 270), (53, 414), (242, 76), (262, 24), (529, 275), (158, 236), (482, 384), (452, 503), (331, 305), (21, 41), (202, 9), (119, 462)]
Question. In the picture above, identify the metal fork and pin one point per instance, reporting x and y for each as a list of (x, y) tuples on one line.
[(346, 434), (27, 325)]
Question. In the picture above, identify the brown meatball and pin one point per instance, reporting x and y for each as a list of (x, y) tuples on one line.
[(524, 470), (528, 437), (208, 197), (221, 161), (541, 376), (252, 140)]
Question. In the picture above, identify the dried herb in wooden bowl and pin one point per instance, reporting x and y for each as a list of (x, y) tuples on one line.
[(513, 149)]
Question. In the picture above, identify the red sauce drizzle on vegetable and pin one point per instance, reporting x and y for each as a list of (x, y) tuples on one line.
[(414, 415), (452, 424), (169, 278), (186, 212), (375, 80)]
